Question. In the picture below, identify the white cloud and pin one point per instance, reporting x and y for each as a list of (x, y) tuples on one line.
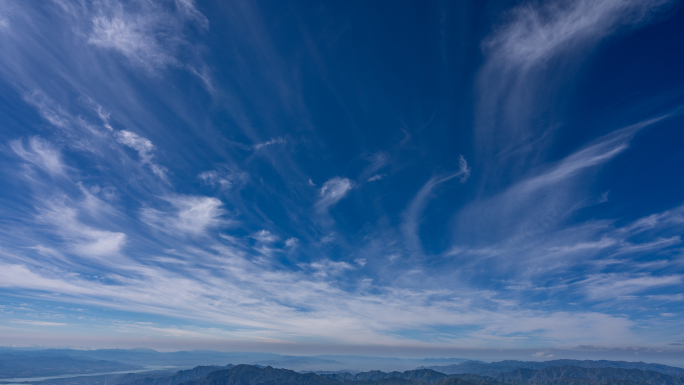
[(224, 178), (376, 177), (329, 238), (537, 204), (657, 244), (598, 152), (584, 246), (326, 267), (265, 236), (212, 178), (538, 32), (242, 292), (4, 17), (149, 34), (671, 217), (42, 154), (38, 323), (148, 37), (377, 162), (191, 12), (101, 113), (463, 169), (144, 147), (291, 242), (415, 209), (83, 136), (269, 143), (614, 285), (332, 191), (516, 89), (48, 109), (132, 38), (83, 239), (190, 215)]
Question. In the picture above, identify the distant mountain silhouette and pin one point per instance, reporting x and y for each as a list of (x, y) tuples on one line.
[(491, 369), (471, 373), (181, 376), (252, 375), (596, 375), (421, 375), (549, 375), (20, 365)]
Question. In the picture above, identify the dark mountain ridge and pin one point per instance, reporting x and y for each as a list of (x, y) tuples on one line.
[(491, 369), (252, 375), (550, 375), (553, 373), (541, 373), (181, 376), (422, 375)]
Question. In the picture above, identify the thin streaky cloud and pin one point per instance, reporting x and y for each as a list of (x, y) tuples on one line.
[(539, 32), (604, 286), (376, 177), (42, 154), (144, 147), (332, 191), (414, 211), (147, 34), (269, 143), (83, 239), (38, 323), (186, 215)]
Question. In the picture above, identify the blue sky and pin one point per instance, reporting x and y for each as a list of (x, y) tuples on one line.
[(322, 177)]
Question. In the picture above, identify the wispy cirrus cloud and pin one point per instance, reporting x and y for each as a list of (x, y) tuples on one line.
[(187, 215), (269, 143), (417, 205), (537, 32), (224, 178), (149, 35), (130, 37), (376, 177), (83, 136), (517, 87), (190, 9), (265, 236), (377, 161), (614, 285), (310, 306), (326, 267), (48, 109), (333, 191), (541, 202), (144, 147), (42, 154), (82, 239), (38, 323)]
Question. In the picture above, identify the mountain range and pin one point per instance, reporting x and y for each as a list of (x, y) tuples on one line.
[(552, 373), (494, 368), (80, 369)]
